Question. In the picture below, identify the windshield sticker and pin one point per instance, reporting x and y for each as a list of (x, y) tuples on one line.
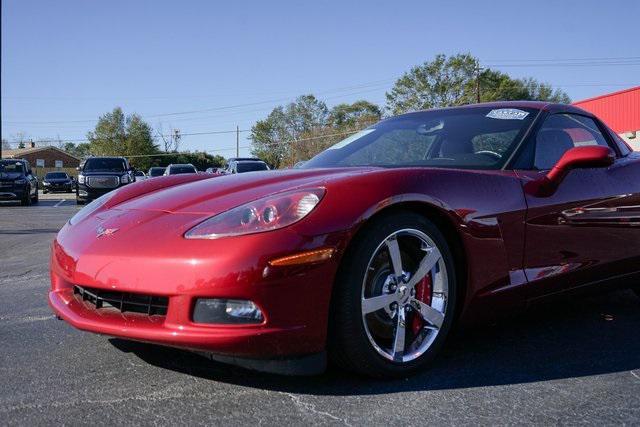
[(507, 114), (350, 139)]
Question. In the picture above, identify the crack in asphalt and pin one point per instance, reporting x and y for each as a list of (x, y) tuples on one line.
[(24, 319), (635, 375), (310, 407), (13, 276)]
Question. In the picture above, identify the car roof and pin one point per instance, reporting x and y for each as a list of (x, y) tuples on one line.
[(536, 105), (106, 157), (249, 161), (236, 159), (181, 164)]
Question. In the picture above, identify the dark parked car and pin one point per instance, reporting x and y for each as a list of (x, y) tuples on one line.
[(140, 176), (99, 175), (57, 181), (17, 182), (241, 166), (156, 171), (180, 169)]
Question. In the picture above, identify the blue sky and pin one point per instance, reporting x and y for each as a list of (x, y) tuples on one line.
[(66, 62)]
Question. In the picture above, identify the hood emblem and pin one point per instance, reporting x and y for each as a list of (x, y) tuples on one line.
[(101, 231)]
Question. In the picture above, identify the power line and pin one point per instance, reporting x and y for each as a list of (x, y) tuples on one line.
[(377, 84), (614, 58), (215, 132)]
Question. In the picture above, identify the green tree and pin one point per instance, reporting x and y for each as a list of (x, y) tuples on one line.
[(450, 81), (117, 135), (303, 128), (200, 160), (271, 138), (350, 115), (81, 150)]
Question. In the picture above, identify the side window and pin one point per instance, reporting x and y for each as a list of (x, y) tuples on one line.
[(561, 132)]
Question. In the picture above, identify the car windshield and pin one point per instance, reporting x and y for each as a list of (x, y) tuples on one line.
[(175, 170), (156, 171), (474, 138), (11, 167), (105, 165), (56, 175), (251, 166)]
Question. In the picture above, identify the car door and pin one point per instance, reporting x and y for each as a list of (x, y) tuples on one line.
[(588, 229), (33, 180)]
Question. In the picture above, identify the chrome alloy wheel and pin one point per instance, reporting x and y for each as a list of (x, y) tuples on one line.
[(404, 295)]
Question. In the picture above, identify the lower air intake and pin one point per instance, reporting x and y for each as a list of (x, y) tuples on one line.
[(124, 302)]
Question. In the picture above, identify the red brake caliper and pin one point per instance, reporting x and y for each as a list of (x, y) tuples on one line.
[(423, 293)]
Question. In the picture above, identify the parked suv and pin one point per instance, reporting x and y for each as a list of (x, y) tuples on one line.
[(57, 181), (156, 171), (180, 169), (249, 165), (17, 182), (99, 175)]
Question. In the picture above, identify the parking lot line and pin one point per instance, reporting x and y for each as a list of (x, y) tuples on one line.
[(59, 203)]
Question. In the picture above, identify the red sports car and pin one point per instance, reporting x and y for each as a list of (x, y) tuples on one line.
[(367, 254)]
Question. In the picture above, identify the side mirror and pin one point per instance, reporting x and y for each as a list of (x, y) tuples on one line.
[(593, 156)]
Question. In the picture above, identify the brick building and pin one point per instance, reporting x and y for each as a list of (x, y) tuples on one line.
[(43, 157)]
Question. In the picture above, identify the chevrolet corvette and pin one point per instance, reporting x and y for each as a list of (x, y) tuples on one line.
[(367, 254)]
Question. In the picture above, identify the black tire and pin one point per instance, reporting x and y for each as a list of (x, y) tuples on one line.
[(636, 289), (348, 343), (36, 198), (79, 202), (26, 199)]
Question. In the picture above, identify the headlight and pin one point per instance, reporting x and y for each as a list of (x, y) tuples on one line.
[(20, 181), (80, 179), (90, 208), (266, 214), (125, 179), (46, 183)]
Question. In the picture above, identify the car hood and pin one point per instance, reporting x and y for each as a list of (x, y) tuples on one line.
[(210, 196), (103, 173), (11, 175), (57, 180)]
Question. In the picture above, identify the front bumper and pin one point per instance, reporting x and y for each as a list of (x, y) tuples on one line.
[(294, 300), (12, 193), (57, 187), (87, 194)]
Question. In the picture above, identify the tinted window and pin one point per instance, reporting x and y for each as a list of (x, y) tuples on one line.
[(11, 167), (56, 175), (478, 137), (561, 132), (105, 165), (156, 171), (251, 167), (175, 170)]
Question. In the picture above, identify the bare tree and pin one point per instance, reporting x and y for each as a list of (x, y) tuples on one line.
[(5, 144), (20, 139), (171, 141)]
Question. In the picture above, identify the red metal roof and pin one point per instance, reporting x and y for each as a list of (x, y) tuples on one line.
[(620, 110)]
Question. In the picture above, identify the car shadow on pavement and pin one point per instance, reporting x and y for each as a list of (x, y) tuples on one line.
[(570, 338)]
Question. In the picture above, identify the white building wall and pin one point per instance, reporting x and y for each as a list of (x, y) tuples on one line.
[(632, 138)]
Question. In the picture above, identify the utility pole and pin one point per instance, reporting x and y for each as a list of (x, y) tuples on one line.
[(237, 141), (478, 82)]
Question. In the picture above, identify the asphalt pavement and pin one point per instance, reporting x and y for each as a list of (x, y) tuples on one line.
[(575, 361)]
